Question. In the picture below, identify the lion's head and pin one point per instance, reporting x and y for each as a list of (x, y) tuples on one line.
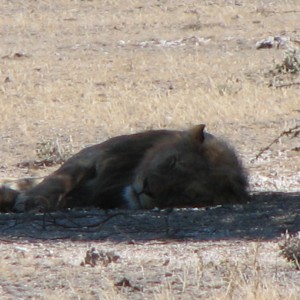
[(191, 169)]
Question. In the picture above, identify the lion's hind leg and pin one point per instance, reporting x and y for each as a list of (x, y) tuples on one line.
[(11, 188), (52, 193), (8, 198)]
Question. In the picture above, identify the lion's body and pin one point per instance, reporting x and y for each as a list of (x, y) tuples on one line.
[(159, 168)]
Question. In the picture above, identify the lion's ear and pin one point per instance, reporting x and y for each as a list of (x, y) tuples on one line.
[(197, 133)]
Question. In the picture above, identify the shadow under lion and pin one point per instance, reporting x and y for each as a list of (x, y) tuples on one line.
[(266, 216)]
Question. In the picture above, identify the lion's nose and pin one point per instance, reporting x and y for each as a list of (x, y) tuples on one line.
[(146, 188)]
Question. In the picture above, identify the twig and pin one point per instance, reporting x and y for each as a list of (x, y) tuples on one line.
[(284, 85), (283, 133), (77, 225)]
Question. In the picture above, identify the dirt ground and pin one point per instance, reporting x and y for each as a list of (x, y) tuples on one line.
[(73, 73)]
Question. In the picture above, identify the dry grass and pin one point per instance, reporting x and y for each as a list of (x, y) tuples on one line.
[(76, 70), (218, 270), (82, 71)]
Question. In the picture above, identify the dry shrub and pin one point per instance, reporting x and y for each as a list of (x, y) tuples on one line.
[(290, 248), (290, 63), (52, 151)]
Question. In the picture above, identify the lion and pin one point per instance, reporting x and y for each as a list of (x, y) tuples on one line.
[(146, 170)]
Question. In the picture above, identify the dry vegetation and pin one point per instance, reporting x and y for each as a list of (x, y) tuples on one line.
[(73, 73)]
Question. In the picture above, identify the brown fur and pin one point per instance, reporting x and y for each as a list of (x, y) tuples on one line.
[(8, 197), (159, 168)]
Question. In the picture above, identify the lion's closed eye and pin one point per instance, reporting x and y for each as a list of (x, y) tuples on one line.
[(170, 162)]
